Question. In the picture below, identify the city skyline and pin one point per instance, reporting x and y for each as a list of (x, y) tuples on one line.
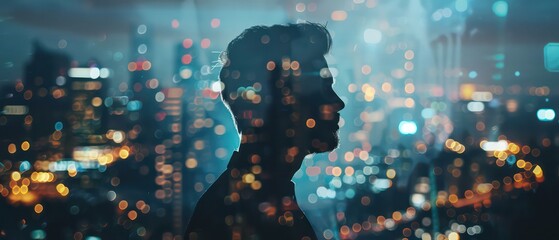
[(118, 130)]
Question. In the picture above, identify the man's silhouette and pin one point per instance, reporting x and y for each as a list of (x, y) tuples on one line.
[(279, 89)]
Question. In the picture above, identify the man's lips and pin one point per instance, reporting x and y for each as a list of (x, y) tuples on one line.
[(337, 121)]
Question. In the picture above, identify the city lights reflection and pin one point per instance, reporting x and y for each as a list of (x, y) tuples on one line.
[(112, 124)]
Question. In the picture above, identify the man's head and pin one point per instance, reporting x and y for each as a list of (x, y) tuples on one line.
[(277, 83)]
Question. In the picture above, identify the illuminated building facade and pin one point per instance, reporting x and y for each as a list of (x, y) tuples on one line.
[(145, 89), (47, 97), (169, 162), (88, 119), (32, 124)]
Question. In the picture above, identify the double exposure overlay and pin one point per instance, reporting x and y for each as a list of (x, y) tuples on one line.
[(116, 117)]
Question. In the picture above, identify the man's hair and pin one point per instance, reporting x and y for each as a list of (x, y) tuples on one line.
[(255, 61)]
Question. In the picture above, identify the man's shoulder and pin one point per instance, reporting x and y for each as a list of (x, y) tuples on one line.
[(212, 201), (208, 219)]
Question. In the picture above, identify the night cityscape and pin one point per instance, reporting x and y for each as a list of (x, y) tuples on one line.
[(112, 125)]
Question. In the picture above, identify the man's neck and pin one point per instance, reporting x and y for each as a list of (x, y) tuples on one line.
[(272, 168)]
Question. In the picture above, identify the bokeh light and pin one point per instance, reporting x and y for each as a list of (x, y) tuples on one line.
[(112, 124)]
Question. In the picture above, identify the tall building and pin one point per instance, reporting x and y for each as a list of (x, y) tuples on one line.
[(186, 63), (32, 122), (88, 117), (170, 156), (46, 84), (144, 86), (15, 123)]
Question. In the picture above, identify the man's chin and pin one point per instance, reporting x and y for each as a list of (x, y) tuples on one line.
[(330, 144), (336, 144)]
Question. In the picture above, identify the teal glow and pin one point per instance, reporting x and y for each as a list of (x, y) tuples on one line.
[(472, 74), (511, 159), (38, 234), (551, 57), (407, 127), (134, 105), (461, 5), (499, 57), (501, 8), (350, 193), (24, 166), (497, 77), (58, 126), (546, 114)]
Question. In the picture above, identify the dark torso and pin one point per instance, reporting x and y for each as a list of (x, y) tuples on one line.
[(233, 209)]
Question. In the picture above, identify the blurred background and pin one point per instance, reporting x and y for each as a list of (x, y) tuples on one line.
[(111, 125)]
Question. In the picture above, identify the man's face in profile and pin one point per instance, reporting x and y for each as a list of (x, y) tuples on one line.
[(319, 105)]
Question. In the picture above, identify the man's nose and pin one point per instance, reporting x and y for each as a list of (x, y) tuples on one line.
[(338, 104)]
